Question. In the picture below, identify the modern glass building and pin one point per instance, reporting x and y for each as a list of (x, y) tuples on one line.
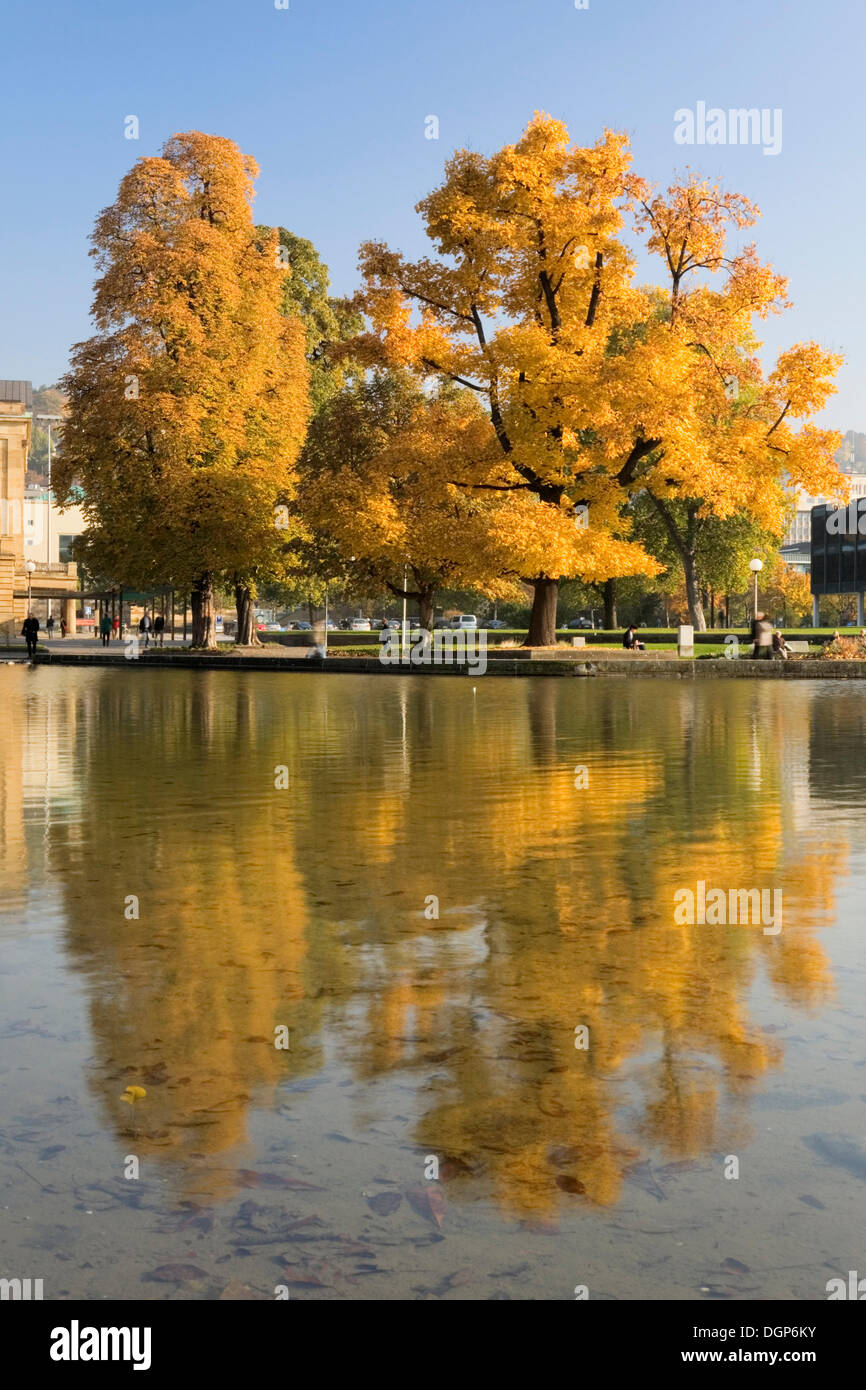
[(838, 550)]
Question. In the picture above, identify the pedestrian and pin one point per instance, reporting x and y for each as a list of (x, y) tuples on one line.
[(49, 626), (630, 640), (30, 632), (62, 627), (158, 629), (144, 627), (115, 626), (762, 637), (105, 628)]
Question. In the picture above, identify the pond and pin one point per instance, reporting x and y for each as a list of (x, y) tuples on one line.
[(393, 968)]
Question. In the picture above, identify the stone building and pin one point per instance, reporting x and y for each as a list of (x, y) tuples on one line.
[(49, 580)]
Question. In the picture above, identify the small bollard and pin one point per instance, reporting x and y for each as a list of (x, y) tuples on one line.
[(686, 640), (578, 641)]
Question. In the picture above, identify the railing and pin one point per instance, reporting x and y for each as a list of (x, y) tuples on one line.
[(43, 567)]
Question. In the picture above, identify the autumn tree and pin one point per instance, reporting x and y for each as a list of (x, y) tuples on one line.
[(530, 288), (595, 388), (735, 438), (188, 407), (376, 483)]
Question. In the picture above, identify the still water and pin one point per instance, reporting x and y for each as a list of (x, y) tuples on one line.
[(455, 904)]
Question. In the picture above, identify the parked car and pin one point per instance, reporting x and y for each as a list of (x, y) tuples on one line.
[(464, 620), (442, 622), (579, 622), (495, 624), (303, 627), (360, 625)]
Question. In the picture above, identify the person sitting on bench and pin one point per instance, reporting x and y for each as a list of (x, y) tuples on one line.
[(630, 640)]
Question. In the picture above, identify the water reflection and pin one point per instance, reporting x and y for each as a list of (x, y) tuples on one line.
[(437, 896)]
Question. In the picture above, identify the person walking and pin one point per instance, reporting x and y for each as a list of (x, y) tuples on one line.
[(62, 627), (115, 626), (158, 630), (30, 632), (144, 627), (105, 628), (49, 626), (762, 638)]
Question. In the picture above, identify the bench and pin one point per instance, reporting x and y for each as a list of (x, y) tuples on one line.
[(797, 646)]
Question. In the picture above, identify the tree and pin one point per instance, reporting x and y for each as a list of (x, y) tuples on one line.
[(327, 321), (376, 484), (726, 445), (785, 592), (530, 289), (595, 388), (188, 407)]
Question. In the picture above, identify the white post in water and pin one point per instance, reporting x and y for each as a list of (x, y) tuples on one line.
[(686, 640)]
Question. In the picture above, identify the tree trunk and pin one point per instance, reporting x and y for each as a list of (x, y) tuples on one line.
[(203, 622), (542, 619), (610, 604), (247, 635), (693, 592), (425, 608)]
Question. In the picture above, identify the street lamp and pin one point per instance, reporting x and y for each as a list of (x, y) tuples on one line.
[(49, 420), (30, 566), (756, 566)]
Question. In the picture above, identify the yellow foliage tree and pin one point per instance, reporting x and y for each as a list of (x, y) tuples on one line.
[(595, 389), (188, 407)]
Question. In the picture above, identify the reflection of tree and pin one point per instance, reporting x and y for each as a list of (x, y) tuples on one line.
[(307, 907), (576, 888)]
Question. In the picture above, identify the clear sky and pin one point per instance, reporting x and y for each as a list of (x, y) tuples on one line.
[(331, 97)]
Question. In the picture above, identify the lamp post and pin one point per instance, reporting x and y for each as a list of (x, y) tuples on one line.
[(30, 566), (49, 420), (755, 566)]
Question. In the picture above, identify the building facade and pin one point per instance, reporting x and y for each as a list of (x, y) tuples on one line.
[(51, 584)]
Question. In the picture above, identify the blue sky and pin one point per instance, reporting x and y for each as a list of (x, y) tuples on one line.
[(331, 96)]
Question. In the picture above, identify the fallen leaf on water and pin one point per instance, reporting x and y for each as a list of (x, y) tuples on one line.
[(452, 1166), (567, 1183), (813, 1202), (248, 1177), (133, 1093), (176, 1274), (564, 1155), (155, 1076), (384, 1203), (736, 1266), (427, 1202), (642, 1175), (451, 1281), (304, 1278), (236, 1292)]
